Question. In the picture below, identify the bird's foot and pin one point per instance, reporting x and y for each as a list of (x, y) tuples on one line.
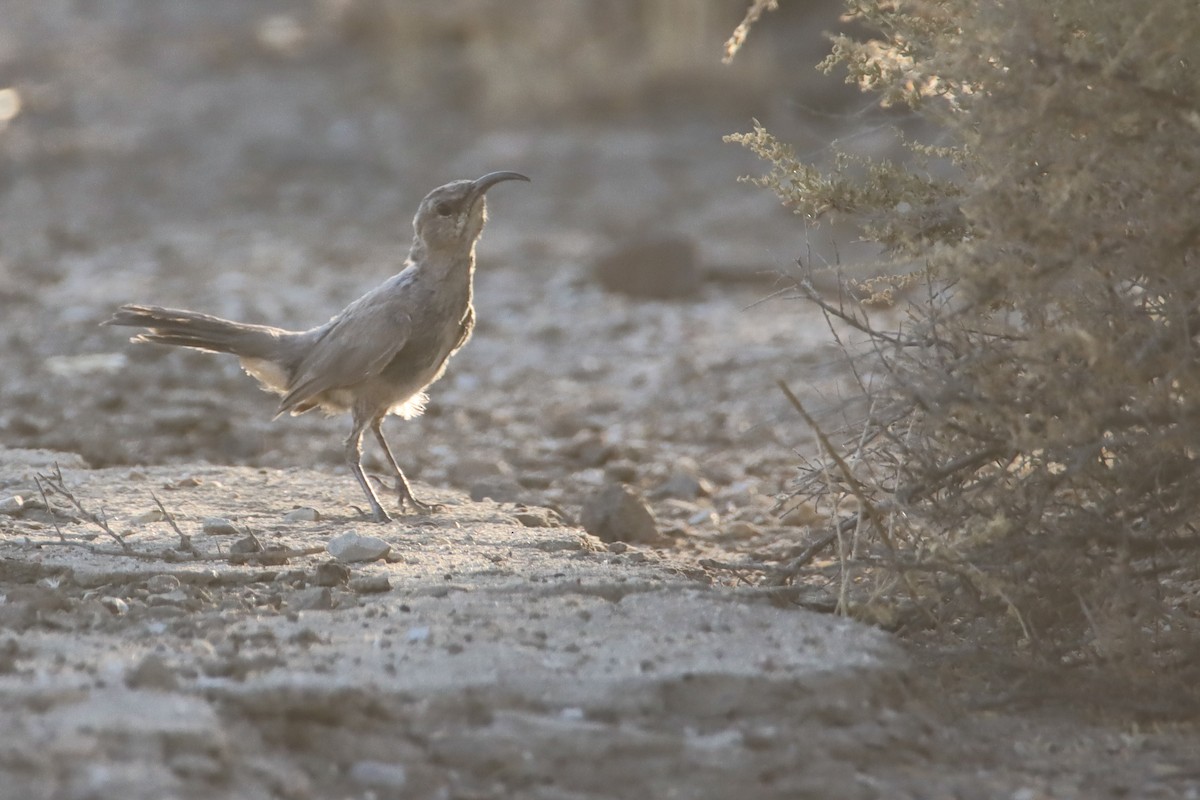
[(408, 499), (419, 507)]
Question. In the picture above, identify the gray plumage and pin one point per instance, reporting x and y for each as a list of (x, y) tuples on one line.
[(378, 355)]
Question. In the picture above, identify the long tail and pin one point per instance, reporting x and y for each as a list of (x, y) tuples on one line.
[(181, 328)]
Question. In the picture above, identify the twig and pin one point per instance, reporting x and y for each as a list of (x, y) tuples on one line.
[(851, 319), (855, 486), (742, 566), (100, 551), (49, 508), (792, 568), (859, 491), (86, 545), (185, 541), (58, 484)]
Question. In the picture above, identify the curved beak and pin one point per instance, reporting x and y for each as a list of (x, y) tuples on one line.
[(481, 185)]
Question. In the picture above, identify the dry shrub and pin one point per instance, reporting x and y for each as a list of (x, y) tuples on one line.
[(1033, 460)]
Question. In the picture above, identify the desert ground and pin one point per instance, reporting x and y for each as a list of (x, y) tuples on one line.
[(181, 615)]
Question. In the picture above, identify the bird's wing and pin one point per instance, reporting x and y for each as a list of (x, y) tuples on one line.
[(355, 345)]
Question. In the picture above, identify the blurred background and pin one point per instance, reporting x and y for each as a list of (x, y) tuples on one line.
[(263, 160), (351, 109)]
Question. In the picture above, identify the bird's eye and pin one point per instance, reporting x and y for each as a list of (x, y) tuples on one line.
[(443, 209)]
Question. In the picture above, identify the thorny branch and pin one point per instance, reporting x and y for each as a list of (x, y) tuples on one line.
[(58, 486), (54, 484)]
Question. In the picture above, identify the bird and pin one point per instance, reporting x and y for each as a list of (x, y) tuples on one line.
[(379, 355)]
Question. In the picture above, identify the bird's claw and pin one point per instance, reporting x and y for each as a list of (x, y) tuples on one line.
[(420, 507), (406, 498)]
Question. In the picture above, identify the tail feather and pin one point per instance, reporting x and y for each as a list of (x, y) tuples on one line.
[(173, 326)]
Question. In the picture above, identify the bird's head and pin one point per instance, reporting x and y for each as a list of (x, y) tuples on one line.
[(452, 216)]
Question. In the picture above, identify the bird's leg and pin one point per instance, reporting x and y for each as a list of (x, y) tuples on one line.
[(402, 488), (354, 460)]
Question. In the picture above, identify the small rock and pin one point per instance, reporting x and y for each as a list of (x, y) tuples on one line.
[(245, 545), (218, 526), (115, 604), (589, 449), (302, 515), (350, 546), (558, 545), (534, 518), (12, 506), (616, 514), (378, 775), (161, 584), (332, 573), (153, 515), (190, 482), (314, 598), (371, 584), (663, 269), (152, 673), (683, 486)]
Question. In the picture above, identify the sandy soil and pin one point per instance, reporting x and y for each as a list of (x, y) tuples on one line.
[(497, 650), (492, 652)]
